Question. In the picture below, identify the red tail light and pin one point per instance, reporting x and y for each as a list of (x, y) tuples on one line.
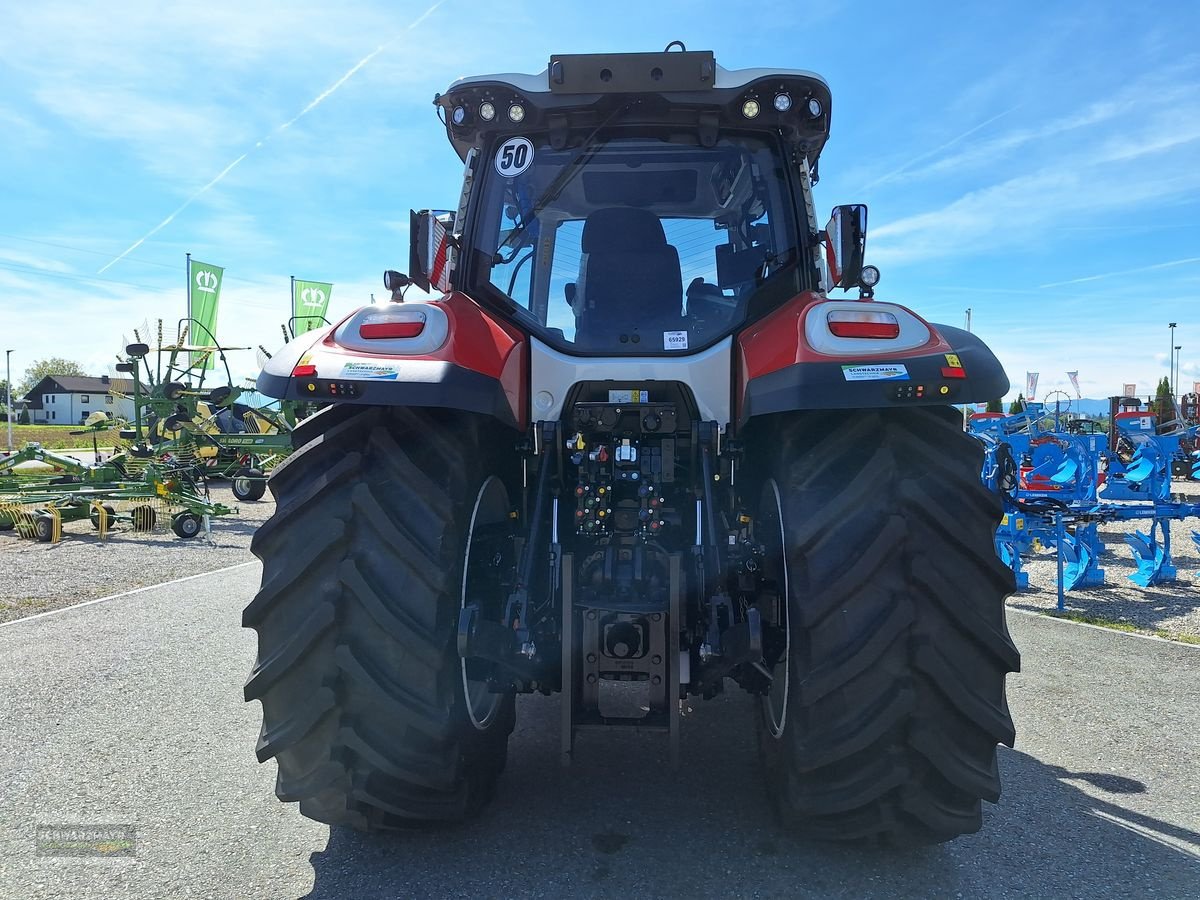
[(876, 325), (304, 371), (384, 330)]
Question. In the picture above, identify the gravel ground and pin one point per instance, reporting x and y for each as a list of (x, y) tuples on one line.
[(37, 577), (1170, 610)]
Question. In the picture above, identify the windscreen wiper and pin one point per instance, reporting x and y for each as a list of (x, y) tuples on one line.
[(562, 179)]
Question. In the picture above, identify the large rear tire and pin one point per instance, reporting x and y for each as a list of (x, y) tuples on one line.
[(886, 710), (363, 694)]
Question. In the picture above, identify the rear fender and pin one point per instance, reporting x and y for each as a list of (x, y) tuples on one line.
[(459, 357), (792, 360)]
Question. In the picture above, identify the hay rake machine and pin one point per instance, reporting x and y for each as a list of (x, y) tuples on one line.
[(139, 493), (183, 424), (1060, 483)]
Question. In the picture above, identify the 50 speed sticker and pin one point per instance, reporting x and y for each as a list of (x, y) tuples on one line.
[(879, 372), (514, 156)]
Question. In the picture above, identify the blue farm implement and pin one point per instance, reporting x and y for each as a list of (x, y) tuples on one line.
[(1061, 482)]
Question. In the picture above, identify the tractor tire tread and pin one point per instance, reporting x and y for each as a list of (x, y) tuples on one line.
[(898, 704)]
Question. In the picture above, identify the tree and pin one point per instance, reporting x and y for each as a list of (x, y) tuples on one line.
[(995, 406), (43, 367), (1164, 405), (1017, 405)]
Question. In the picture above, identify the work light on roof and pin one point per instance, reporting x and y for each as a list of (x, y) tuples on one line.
[(814, 107), (750, 109), (459, 115), (516, 113), (487, 111), (783, 102), (869, 277)]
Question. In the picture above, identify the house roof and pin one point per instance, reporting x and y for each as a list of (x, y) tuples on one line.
[(76, 384)]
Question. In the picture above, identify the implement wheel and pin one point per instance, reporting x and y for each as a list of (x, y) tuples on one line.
[(367, 708), (248, 484), (43, 527), (110, 515), (187, 525), (888, 701)]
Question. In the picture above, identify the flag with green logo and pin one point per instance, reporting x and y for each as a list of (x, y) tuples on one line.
[(310, 301), (204, 290)]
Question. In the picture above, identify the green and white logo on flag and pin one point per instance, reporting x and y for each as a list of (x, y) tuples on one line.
[(205, 282), (310, 301)]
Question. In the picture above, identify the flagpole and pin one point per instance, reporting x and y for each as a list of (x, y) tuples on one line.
[(292, 303), (188, 322), (188, 277)]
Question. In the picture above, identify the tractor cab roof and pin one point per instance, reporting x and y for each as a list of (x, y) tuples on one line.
[(680, 90)]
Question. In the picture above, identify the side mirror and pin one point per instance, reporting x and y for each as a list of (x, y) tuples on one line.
[(845, 244), (429, 248)]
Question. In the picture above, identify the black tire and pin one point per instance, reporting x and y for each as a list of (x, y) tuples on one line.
[(110, 512), (357, 670), (887, 722), (187, 525), (43, 527), (143, 518), (248, 484)]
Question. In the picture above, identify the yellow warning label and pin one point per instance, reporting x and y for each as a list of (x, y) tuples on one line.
[(952, 361)]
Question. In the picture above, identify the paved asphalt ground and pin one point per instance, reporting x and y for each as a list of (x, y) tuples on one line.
[(130, 712)]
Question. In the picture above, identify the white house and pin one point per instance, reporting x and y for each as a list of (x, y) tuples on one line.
[(70, 399)]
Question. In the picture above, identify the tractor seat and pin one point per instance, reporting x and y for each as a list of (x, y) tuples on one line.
[(629, 279)]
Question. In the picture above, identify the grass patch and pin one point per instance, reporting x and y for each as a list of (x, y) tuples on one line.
[(54, 437), (1123, 626), (1182, 638)]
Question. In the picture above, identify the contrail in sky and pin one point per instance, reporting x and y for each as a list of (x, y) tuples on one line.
[(229, 168), (936, 150), (1165, 265)]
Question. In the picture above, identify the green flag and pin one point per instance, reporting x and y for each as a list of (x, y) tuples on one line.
[(310, 300), (204, 282)]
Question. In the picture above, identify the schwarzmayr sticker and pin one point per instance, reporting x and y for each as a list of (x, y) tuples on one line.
[(882, 372), (369, 371)]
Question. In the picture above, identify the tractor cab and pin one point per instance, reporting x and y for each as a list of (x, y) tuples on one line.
[(638, 203)]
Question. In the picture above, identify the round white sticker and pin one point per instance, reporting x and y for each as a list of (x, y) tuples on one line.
[(514, 157)]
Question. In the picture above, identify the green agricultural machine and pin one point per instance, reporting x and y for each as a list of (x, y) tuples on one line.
[(139, 493), (181, 422)]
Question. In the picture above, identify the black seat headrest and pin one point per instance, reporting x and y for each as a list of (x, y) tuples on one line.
[(621, 229)]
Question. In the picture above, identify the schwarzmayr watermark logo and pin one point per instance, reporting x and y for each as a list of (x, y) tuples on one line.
[(85, 840)]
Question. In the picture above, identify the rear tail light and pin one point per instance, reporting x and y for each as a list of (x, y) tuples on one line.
[(374, 331), (851, 324), (304, 370)]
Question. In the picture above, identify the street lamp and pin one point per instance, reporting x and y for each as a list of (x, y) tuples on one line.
[(1175, 373), (1171, 368)]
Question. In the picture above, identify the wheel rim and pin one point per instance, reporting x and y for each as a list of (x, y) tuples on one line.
[(190, 525), (241, 486), (491, 507), (775, 702)]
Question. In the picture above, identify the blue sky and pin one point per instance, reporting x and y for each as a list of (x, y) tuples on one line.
[(1036, 162)]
